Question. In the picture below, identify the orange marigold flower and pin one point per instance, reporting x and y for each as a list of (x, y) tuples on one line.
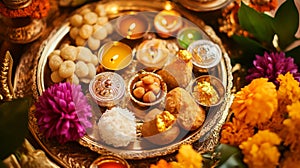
[(260, 151), (290, 159), (235, 132), (290, 132), (274, 124), (256, 102), (161, 164), (288, 91), (187, 157)]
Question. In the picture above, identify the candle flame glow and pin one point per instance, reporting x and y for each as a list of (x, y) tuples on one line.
[(190, 35), (168, 6), (132, 26), (130, 29), (113, 58)]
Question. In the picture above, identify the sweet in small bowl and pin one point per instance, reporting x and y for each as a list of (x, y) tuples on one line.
[(147, 89), (207, 90)]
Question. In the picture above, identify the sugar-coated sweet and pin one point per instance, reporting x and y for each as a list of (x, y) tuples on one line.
[(69, 52), (92, 70), (81, 69), (73, 79), (55, 62), (55, 77), (66, 69), (76, 20), (80, 41), (74, 31), (85, 31), (93, 43), (90, 18), (100, 33)]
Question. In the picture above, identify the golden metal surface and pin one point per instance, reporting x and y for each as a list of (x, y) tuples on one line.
[(6, 89), (74, 155)]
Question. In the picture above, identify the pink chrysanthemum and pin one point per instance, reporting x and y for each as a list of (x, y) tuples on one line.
[(270, 65), (63, 112)]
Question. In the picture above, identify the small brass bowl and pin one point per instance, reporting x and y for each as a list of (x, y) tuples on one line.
[(207, 90), (109, 160), (132, 85)]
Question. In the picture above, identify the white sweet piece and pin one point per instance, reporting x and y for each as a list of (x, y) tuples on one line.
[(84, 54), (94, 60), (109, 28), (100, 33), (81, 69), (93, 43), (90, 18), (100, 10), (92, 70), (117, 127), (73, 79)]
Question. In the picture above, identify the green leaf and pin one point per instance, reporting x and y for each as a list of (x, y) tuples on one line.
[(249, 47), (294, 53), (286, 23), (230, 156), (13, 125), (258, 24)]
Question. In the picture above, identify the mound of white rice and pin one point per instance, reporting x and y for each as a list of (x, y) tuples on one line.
[(117, 127)]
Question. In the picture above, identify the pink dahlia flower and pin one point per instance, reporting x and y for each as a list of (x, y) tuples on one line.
[(270, 65), (63, 112)]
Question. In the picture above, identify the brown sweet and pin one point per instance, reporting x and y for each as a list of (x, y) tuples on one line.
[(190, 115), (139, 92), (159, 127), (149, 97), (147, 88)]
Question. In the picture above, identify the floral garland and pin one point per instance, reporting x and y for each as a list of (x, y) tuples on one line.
[(37, 9)]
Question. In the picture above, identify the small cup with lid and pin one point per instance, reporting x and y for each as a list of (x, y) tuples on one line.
[(207, 90), (205, 54), (107, 88)]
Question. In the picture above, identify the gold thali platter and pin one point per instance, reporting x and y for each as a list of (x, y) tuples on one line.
[(205, 137)]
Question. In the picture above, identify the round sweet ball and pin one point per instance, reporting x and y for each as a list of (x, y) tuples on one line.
[(90, 18), (55, 62), (66, 69), (69, 52), (81, 69), (76, 20), (85, 31), (55, 77)]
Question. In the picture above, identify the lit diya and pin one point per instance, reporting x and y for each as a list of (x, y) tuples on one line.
[(109, 161), (153, 53), (167, 23), (133, 26), (115, 55), (188, 35)]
